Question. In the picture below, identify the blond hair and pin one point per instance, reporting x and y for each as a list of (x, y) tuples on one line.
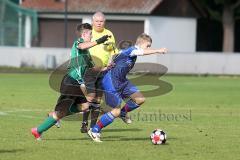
[(143, 38)]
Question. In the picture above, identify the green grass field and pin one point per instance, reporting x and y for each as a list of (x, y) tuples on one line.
[(201, 117)]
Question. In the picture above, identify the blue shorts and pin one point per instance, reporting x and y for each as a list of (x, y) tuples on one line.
[(116, 91)]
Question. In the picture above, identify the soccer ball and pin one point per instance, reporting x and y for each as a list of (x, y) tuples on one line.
[(158, 136)]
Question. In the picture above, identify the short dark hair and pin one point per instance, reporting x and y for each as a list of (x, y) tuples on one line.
[(81, 27)]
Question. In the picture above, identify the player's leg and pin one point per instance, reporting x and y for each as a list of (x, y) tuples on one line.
[(113, 99), (136, 99), (70, 92), (90, 78), (95, 105), (84, 127), (58, 123), (65, 106), (70, 87), (61, 110), (95, 111), (105, 120)]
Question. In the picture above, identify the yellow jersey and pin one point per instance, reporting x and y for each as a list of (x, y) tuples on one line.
[(102, 53)]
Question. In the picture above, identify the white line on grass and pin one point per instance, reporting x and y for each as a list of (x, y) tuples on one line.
[(3, 114), (17, 113)]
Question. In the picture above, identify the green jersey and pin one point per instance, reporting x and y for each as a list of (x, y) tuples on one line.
[(80, 61)]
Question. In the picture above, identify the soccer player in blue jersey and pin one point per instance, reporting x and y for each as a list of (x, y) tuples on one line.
[(117, 87)]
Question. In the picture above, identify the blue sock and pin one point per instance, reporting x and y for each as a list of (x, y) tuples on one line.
[(104, 121), (129, 106)]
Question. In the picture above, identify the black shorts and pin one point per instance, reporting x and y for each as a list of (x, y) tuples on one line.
[(71, 93), (93, 82)]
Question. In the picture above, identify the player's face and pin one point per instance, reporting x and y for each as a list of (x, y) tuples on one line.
[(146, 45), (87, 35), (98, 23)]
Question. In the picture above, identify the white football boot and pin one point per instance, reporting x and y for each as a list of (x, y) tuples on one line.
[(95, 136)]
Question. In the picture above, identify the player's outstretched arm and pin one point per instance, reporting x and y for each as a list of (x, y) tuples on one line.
[(154, 51), (87, 45)]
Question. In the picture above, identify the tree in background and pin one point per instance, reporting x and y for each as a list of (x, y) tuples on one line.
[(226, 11)]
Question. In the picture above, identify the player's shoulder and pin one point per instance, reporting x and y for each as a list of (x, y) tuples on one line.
[(127, 50), (131, 48)]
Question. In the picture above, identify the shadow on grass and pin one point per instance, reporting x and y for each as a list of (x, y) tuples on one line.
[(135, 139), (122, 138), (109, 138), (67, 139), (123, 130), (11, 150)]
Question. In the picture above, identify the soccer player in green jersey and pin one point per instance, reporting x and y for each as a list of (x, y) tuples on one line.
[(72, 98)]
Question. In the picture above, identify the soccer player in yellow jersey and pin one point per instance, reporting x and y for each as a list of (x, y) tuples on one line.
[(101, 55)]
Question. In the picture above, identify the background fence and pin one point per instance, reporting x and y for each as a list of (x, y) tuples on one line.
[(177, 63)]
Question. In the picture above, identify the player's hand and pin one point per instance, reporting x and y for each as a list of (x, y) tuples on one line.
[(111, 65), (163, 50), (103, 39), (109, 46), (104, 69)]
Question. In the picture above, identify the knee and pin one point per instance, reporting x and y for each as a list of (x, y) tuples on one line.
[(140, 100), (91, 97), (116, 112), (84, 106), (58, 115)]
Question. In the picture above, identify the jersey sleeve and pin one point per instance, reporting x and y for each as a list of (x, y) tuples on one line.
[(136, 52)]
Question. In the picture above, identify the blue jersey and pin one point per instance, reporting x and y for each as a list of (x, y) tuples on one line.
[(124, 62), (115, 83)]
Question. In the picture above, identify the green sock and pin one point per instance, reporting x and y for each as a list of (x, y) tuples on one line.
[(48, 123)]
